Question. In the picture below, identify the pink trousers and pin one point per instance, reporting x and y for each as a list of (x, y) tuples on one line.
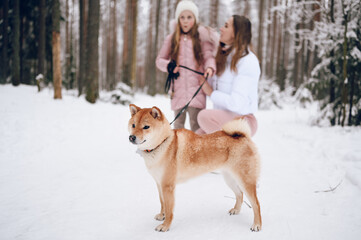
[(212, 120)]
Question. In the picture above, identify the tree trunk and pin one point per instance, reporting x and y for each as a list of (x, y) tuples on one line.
[(260, 33), (92, 68), (108, 77), (247, 9), (83, 9), (214, 14), (317, 18), (273, 43), (115, 46), (311, 54), (308, 53), (302, 60), (285, 54), (111, 48), (56, 48), (344, 83), (41, 46), (269, 42), (238, 7), (67, 46), (134, 40), (152, 74), (16, 45), (352, 89), (332, 67), (4, 53), (298, 59), (126, 71), (169, 13), (22, 41), (107, 36), (149, 48), (279, 66), (72, 51)]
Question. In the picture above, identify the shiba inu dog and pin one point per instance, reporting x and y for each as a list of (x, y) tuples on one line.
[(174, 156)]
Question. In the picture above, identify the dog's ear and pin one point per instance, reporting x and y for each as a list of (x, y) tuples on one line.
[(133, 109), (156, 113)]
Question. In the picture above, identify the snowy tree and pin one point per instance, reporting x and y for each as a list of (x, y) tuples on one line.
[(334, 79), (324, 47)]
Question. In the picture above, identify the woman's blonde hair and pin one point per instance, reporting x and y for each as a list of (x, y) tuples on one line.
[(242, 40), (194, 35)]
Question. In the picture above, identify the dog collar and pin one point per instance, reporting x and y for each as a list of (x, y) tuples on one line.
[(148, 151)]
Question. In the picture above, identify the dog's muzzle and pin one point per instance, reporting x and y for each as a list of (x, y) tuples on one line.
[(132, 138)]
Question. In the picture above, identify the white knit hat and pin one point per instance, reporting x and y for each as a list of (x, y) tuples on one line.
[(186, 5)]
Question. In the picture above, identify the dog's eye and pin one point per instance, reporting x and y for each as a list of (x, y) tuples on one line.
[(146, 127), (133, 125)]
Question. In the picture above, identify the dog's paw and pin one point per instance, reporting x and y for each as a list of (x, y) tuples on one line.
[(162, 228), (159, 217), (234, 211), (256, 227)]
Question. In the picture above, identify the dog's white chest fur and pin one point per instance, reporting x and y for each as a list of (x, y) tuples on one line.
[(154, 168), (157, 173)]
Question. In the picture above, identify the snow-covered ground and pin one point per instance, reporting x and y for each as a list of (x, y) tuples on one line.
[(68, 172)]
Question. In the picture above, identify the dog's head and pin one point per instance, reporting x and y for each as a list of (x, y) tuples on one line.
[(147, 127)]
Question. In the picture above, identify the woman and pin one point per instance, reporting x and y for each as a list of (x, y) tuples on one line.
[(233, 90), (190, 45)]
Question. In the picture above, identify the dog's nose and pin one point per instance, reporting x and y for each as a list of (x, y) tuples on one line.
[(132, 138)]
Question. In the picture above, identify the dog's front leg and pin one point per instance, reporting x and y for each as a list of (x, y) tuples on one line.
[(160, 216), (168, 198)]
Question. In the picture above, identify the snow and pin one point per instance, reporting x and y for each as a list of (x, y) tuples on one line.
[(67, 171), (356, 53)]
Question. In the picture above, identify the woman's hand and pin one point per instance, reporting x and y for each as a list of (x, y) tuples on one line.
[(176, 69), (209, 72)]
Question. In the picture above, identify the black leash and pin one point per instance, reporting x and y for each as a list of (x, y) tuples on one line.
[(186, 106), (200, 73), (170, 81)]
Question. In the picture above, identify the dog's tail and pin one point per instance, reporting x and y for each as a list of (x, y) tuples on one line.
[(237, 128)]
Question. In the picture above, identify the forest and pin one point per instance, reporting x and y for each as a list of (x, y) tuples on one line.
[(309, 49)]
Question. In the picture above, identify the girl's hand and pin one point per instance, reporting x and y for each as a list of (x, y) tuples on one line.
[(176, 69), (209, 72)]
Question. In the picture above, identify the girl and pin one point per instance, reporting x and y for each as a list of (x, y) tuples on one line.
[(233, 90), (192, 46)]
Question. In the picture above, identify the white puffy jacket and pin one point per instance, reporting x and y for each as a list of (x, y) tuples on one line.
[(237, 91)]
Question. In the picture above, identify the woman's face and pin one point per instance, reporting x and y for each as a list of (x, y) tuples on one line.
[(186, 20), (227, 32)]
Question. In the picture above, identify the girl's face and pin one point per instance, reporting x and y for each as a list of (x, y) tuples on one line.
[(227, 32), (186, 20)]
